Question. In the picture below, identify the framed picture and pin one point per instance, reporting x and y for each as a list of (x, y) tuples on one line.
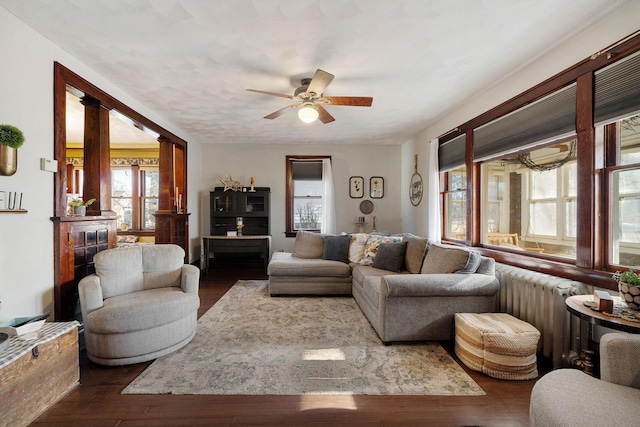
[(376, 187), (356, 187)]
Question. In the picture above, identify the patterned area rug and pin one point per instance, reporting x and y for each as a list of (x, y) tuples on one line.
[(249, 343)]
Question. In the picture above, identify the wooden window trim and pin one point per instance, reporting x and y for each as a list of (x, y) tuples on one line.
[(290, 231)]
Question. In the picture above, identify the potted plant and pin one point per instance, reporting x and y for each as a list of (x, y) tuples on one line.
[(629, 287), (11, 138), (80, 206)]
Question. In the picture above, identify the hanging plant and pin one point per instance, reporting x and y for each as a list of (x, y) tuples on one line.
[(11, 136)]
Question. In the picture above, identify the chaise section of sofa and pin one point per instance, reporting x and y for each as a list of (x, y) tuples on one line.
[(290, 275)]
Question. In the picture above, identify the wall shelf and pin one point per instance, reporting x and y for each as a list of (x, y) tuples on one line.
[(15, 211)]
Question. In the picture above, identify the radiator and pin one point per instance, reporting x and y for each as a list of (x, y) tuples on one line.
[(538, 299)]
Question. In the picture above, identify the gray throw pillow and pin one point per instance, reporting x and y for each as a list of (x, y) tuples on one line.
[(416, 251), (390, 256), (308, 245), (472, 264), (443, 259), (336, 248)]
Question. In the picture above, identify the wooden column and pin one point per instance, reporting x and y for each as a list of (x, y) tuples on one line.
[(587, 221), (97, 167)]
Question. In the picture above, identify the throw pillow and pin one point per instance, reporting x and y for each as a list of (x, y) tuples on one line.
[(356, 247), (308, 245), (390, 256), (371, 247), (472, 264), (336, 248), (443, 259), (416, 251)]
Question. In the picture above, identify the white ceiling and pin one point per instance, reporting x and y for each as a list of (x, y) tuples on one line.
[(191, 60)]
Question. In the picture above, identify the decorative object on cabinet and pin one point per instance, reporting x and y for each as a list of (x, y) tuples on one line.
[(230, 184), (376, 187), (80, 206), (356, 187), (415, 185), (366, 206), (252, 183), (11, 138)]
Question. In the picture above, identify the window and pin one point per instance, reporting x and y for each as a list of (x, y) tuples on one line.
[(529, 200), (304, 193), (134, 197), (625, 193), (454, 199)]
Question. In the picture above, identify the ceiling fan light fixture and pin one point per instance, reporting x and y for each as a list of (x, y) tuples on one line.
[(307, 113)]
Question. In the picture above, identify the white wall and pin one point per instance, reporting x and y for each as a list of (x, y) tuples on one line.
[(620, 23), (267, 164), (26, 240)]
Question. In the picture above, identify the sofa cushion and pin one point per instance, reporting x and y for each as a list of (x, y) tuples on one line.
[(444, 259), (308, 245), (416, 251), (120, 270), (285, 264), (390, 256), (336, 248), (371, 247), (472, 264), (142, 310), (162, 265), (361, 272), (356, 247)]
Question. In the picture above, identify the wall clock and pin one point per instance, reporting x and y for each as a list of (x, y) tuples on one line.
[(415, 185)]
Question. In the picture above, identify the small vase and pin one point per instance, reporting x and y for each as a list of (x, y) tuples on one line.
[(630, 295), (8, 160), (80, 210)]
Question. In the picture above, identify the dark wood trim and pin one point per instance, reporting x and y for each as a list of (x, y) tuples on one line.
[(564, 78), (289, 229), (585, 214)]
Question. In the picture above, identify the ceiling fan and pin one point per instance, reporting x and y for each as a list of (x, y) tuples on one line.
[(310, 97)]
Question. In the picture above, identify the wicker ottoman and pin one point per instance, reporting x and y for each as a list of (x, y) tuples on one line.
[(497, 344)]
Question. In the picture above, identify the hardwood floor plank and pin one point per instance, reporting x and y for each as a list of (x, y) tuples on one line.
[(98, 402)]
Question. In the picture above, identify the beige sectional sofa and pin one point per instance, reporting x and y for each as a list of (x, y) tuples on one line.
[(413, 297)]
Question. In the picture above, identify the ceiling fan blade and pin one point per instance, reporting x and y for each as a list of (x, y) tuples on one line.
[(319, 82), (281, 95), (324, 115), (354, 101), (281, 111)]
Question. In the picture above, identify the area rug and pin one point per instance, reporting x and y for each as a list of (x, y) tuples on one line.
[(249, 343)]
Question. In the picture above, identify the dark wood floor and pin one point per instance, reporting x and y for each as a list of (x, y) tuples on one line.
[(97, 401)]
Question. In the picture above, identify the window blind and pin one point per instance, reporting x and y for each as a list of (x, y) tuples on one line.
[(548, 118), (306, 170), (617, 92), (451, 154)]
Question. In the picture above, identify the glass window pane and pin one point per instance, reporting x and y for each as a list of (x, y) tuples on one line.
[(456, 215), (307, 214), (151, 183), (570, 224), (121, 183), (458, 179), (149, 208), (630, 140), (493, 217), (543, 218), (544, 184), (307, 188), (122, 208)]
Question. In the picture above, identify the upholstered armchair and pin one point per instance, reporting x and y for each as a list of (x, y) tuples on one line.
[(141, 303), (569, 397)]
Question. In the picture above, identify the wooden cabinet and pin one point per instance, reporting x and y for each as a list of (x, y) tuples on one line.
[(253, 207)]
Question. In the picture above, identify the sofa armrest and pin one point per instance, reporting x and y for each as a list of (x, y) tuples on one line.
[(90, 294), (190, 277), (450, 285), (619, 359)]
